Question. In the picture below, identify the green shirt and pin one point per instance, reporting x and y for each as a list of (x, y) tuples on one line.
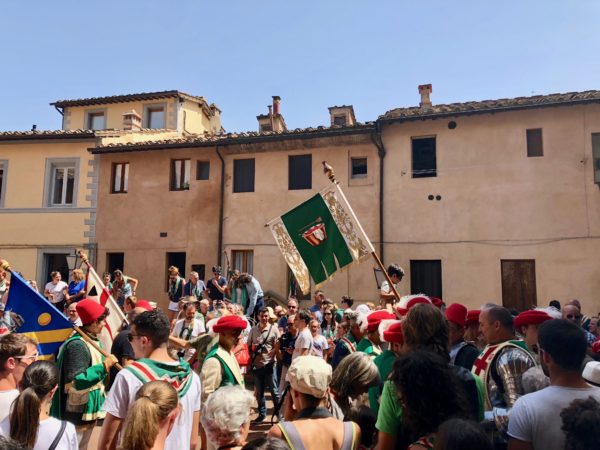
[(384, 363)]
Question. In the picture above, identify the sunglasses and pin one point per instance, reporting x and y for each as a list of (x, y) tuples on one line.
[(35, 356), (131, 336), (571, 316)]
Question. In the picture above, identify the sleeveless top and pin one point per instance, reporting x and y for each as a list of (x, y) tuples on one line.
[(294, 440)]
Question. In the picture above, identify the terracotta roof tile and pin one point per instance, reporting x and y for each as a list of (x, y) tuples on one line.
[(237, 137), (128, 98), (490, 106), (46, 134)]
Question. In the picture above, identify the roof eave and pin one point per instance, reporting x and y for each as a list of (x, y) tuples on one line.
[(41, 137)]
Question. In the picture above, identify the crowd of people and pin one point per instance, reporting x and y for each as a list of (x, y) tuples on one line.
[(409, 372)]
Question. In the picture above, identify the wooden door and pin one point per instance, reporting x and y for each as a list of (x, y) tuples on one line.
[(518, 284), (426, 277)]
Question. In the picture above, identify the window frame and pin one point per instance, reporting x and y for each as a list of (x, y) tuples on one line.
[(247, 260), (4, 176), (423, 173), (152, 107), (236, 181), (95, 112), (299, 186), (124, 187), (181, 186), (199, 162), (51, 165), (531, 139)]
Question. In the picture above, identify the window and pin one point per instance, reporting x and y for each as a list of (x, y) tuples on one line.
[(595, 156), (359, 168), (180, 174), (154, 116), (115, 261), (426, 277), (96, 120), (300, 172), (339, 120), (120, 178), (243, 260), (423, 158), (534, 142), (202, 170), (62, 185), (3, 170), (243, 175), (265, 127)]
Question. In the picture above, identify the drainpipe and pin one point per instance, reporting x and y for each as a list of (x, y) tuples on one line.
[(62, 113), (376, 138), (221, 208)]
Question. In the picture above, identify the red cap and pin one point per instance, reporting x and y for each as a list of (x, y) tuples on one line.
[(408, 301), (457, 313), (230, 323), (437, 302), (144, 304), (375, 318), (473, 316), (531, 317), (394, 333), (89, 310), (596, 346)]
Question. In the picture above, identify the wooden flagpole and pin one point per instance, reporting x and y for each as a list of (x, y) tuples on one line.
[(328, 170), (6, 266)]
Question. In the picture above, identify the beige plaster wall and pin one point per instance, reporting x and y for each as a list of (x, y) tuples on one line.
[(26, 181), (132, 222), (499, 204), (246, 213), (195, 119)]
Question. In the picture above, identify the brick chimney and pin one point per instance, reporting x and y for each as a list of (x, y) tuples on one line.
[(132, 121), (425, 91), (273, 121), (342, 115)]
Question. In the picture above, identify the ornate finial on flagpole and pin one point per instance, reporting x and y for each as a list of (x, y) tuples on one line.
[(82, 255), (328, 170), (4, 265)]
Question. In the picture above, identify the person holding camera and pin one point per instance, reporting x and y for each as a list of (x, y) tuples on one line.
[(262, 339)]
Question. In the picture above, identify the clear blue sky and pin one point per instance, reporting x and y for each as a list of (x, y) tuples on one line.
[(313, 53)]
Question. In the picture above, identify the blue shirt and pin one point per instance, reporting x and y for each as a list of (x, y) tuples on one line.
[(75, 288)]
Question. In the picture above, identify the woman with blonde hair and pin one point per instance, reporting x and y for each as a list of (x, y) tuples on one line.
[(151, 418), (76, 289), (175, 291)]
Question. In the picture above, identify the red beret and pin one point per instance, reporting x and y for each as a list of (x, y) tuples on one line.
[(144, 304), (230, 323), (531, 317), (375, 318), (89, 310), (457, 313), (437, 302), (394, 333), (408, 301), (473, 316), (596, 346)]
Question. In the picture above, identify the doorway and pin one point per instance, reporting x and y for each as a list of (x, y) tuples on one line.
[(426, 277), (518, 284)]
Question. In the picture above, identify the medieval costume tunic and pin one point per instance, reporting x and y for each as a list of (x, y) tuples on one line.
[(384, 363), (81, 372), (368, 347)]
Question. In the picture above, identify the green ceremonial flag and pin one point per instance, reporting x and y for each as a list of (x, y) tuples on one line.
[(320, 236)]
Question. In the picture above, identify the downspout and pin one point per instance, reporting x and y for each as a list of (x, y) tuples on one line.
[(376, 138), (62, 113), (221, 208)]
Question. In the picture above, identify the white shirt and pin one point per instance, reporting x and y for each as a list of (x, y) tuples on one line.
[(56, 289), (122, 395), (6, 400), (385, 287), (47, 432), (319, 345), (535, 417), (303, 341), (196, 330)]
